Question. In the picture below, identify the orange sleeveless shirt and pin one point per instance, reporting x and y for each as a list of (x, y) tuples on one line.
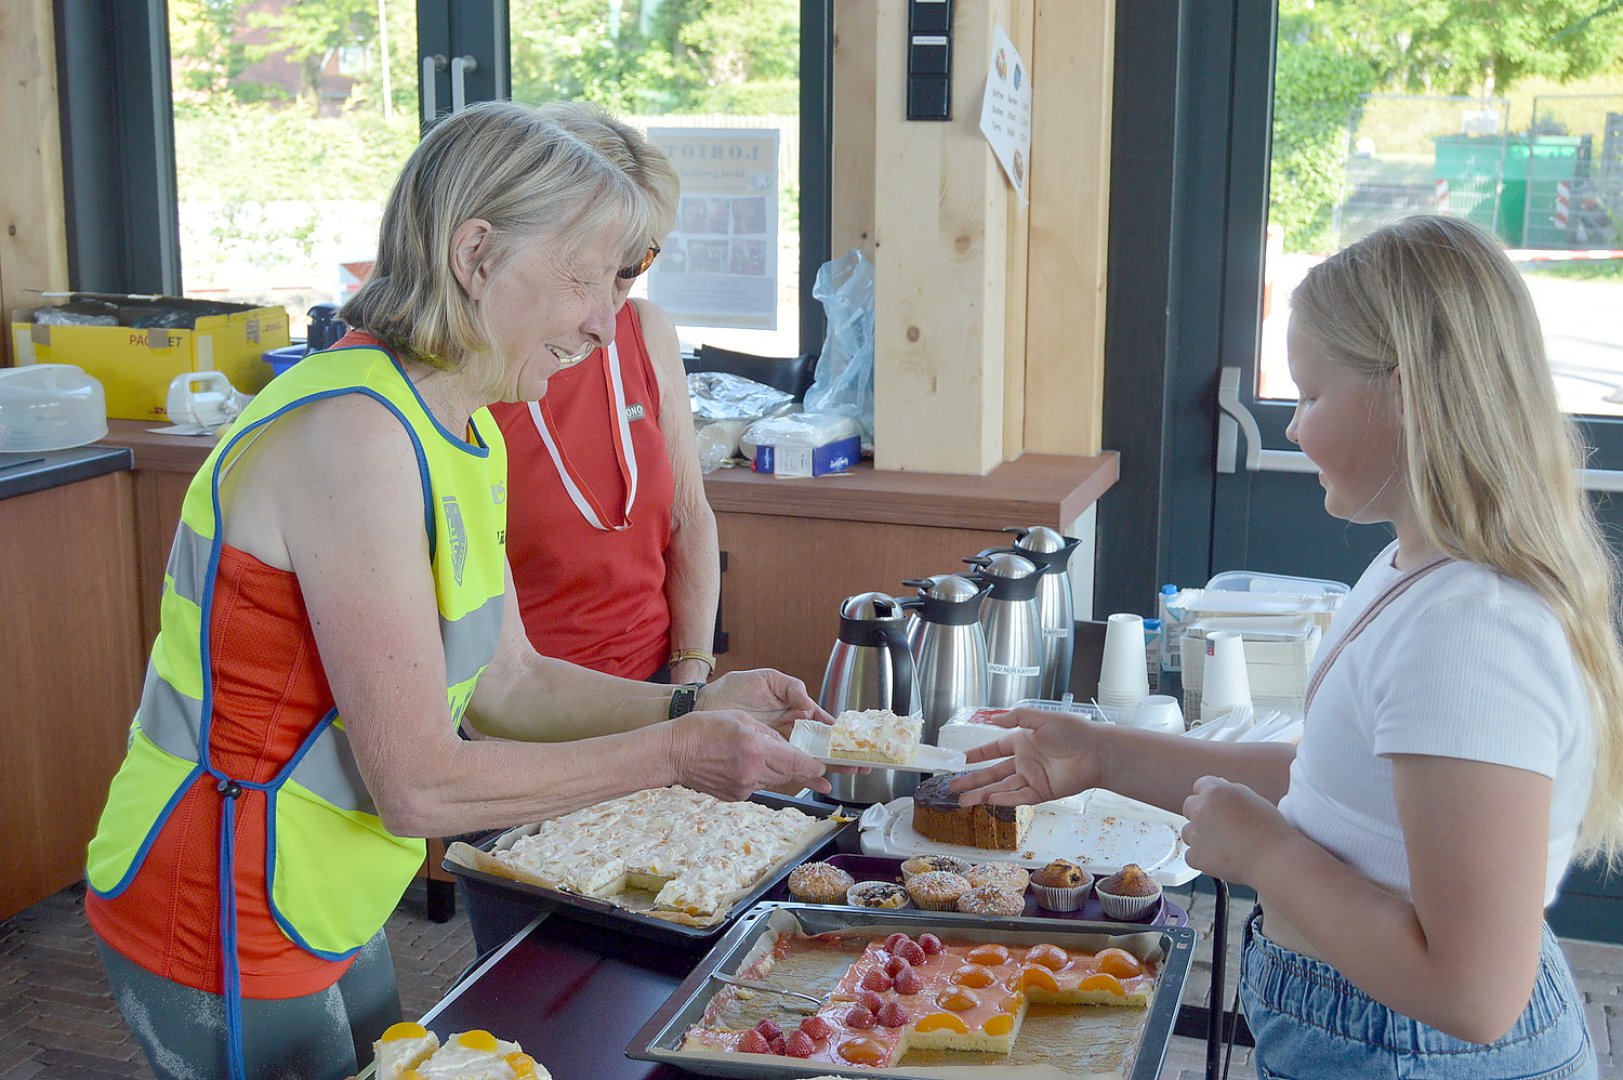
[(269, 691), (592, 596)]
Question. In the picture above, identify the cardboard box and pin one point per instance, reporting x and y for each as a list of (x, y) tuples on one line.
[(136, 364), (802, 459)]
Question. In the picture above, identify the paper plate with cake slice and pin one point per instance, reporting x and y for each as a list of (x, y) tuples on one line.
[(1098, 830), (874, 739)]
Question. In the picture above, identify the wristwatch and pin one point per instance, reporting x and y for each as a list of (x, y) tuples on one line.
[(683, 700)]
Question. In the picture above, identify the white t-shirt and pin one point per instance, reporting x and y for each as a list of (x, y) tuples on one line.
[(1465, 664)]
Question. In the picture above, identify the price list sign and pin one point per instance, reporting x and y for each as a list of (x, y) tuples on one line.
[(719, 266)]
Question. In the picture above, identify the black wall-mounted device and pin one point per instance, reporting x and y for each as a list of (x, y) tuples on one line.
[(929, 59)]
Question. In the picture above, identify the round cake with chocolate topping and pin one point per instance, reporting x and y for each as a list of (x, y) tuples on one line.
[(938, 815)]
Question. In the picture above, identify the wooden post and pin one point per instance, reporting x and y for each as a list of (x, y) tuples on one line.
[(941, 260), (1072, 71), (33, 215), (856, 24)]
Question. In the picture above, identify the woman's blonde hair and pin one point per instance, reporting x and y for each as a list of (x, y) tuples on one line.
[(508, 165), (628, 150), (1491, 459)]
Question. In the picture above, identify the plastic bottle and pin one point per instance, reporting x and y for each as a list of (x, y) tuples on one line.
[(1152, 651), (1169, 650)]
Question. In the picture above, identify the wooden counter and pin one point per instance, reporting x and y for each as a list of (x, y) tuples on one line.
[(793, 548), (73, 667)]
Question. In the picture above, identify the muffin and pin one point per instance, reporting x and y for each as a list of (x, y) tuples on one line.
[(1061, 886), (876, 894), (1128, 894), (1004, 875), (819, 883), (992, 900), (937, 890), (923, 864)]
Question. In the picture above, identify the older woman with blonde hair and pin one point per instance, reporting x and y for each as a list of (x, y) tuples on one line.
[(338, 600)]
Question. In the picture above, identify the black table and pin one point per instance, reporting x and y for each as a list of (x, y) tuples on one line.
[(574, 994)]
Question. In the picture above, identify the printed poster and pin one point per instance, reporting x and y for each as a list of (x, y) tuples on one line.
[(719, 266), (1006, 112)]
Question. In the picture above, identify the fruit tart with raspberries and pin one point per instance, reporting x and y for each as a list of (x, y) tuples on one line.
[(924, 993)]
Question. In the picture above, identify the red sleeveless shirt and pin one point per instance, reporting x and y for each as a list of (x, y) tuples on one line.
[(593, 596)]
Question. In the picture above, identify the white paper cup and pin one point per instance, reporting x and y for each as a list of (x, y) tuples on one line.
[(1123, 678), (1158, 712), (1224, 683)]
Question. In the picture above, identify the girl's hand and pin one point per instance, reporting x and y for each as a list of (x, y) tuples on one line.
[(1051, 756), (1230, 827)]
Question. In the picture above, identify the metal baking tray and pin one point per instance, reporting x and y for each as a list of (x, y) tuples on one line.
[(591, 909), (661, 1037)]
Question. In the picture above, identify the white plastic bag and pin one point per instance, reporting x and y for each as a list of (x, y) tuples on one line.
[(844, 381)]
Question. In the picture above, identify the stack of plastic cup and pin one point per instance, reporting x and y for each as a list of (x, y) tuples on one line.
[(1123, 679), (1224, 684)]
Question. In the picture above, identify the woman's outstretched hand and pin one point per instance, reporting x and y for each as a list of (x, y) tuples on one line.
[(1051, 755)]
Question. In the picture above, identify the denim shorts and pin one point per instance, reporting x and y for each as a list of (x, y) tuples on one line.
[(1310, 1023)]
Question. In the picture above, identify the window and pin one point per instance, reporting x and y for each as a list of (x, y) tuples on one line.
[(254, 141), (1379, 112)]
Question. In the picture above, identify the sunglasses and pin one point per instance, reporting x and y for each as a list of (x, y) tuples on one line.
[(637, 270)]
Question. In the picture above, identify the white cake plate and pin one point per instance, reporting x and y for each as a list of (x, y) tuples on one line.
[(1098, 830)]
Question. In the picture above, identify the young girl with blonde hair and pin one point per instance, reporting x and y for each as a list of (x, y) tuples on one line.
[(1462, 742)]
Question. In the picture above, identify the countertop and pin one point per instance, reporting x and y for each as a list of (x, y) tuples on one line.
[(25, 473), (1036, 489)]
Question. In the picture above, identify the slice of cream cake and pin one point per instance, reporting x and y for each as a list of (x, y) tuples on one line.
[(875, 735)]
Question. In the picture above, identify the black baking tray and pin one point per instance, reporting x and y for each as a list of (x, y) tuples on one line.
[(887, 868), (660, 1037), (601, 912)]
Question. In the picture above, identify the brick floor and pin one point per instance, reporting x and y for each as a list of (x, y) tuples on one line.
[(62, 1024)]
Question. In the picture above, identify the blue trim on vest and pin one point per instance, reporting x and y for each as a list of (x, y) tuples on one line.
[(482, 449), (152, 836)]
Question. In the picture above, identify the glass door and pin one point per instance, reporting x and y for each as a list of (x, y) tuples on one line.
[(1351, 146)]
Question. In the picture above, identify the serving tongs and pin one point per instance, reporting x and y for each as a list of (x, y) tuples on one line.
[(806, 1000)]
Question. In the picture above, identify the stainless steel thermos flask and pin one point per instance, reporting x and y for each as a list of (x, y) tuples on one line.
[(870, 667), (1013, 626), (949, 646), (1051, 552)]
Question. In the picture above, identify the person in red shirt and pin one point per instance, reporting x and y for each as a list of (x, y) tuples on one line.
[(612, 544)]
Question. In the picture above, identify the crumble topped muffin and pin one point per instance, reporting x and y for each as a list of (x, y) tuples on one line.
[(1004, 875), (937, 890), (819, 883), (991, 900)]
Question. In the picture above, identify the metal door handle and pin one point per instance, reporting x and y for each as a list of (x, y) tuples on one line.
[(460, 66), (432, 65), (1236, 418)]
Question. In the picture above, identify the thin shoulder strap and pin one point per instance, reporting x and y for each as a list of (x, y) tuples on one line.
[(1378, 605)]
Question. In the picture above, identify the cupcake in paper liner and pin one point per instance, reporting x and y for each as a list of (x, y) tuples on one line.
[(1061, 886), (1128, 894)]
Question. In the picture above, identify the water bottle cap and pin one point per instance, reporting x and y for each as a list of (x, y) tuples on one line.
[(1169, 590), (1152, 624)]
